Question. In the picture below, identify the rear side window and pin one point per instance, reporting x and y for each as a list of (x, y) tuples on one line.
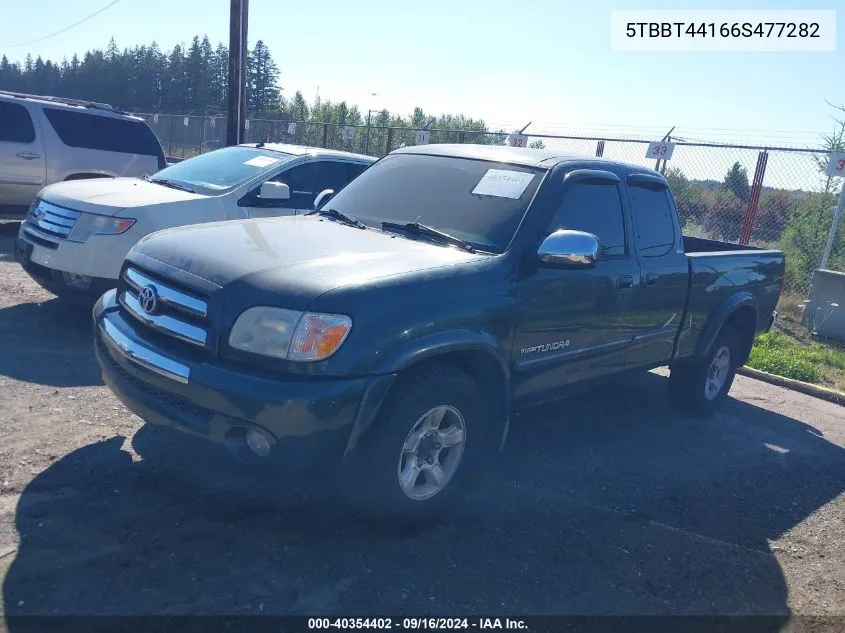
[(15, 124), (593, 207), (653, 219), (89, 131)]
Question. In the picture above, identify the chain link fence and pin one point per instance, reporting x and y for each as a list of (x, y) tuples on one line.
[(768, 197)]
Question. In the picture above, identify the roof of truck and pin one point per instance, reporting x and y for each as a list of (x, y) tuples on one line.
[(528, 157)]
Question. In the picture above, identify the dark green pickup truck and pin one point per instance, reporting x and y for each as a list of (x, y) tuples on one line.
[(394, 330)]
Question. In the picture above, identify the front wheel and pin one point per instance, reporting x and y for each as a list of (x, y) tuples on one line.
[(701, 387), (420, 454)]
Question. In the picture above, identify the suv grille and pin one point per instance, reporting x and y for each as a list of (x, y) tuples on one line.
[(47, 220), (165, 308)]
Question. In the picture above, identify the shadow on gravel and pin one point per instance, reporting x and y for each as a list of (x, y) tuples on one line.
[(48, 343), (593, 509)]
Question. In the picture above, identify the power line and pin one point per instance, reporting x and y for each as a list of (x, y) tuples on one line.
[(67, 28)]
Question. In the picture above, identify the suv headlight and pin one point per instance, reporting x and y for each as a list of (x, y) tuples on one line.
[(30, 213), (90, 224), (289, 334)]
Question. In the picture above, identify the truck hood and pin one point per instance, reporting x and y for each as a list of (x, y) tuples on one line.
[(109, 196), (290, 261)]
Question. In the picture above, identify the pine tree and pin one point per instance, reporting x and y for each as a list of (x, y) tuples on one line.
[(262, 80), (736, 181)]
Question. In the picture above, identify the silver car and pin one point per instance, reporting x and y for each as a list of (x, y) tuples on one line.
[(44, 140)]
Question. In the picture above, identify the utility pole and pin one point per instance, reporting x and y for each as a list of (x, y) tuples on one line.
[(236, 103), (369, 113), (367, 148)]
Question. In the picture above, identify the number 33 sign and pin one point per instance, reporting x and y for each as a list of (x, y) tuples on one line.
[(836, 166), (660, 150)]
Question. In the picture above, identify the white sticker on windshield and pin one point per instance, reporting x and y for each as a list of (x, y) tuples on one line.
[(261, 161), (503, 183)]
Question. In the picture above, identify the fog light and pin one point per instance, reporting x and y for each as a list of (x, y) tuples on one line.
[(83, 282), (258, 443)]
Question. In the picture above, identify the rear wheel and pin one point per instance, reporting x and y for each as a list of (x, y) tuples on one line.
[(418, 459), (700, 387)]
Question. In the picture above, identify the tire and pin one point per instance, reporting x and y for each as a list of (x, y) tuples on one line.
[(371, 474), (701, 387)]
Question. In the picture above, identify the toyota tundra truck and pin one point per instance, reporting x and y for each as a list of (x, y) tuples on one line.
[(394, 330)]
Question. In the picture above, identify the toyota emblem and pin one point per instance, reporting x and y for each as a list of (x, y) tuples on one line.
[(148, 298)]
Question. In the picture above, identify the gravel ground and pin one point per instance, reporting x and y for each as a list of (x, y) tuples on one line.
[(599, 505)]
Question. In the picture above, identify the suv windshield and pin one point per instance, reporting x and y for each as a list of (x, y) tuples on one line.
[(223, 169), (478, 201)]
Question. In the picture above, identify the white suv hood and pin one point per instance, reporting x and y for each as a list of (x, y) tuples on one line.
[(109, 196)]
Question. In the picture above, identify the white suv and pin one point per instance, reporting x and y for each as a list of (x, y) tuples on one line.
[(44, 140), (76, 235)]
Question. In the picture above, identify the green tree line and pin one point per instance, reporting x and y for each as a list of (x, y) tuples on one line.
[(192, 79)]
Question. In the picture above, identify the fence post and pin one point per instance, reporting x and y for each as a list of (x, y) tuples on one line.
[(389, 142), (202, 139), (325, 134), (834, 226), (170, 147), (754, 198), (663, 166), (600, 148)]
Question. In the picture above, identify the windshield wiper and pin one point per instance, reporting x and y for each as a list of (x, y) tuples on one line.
[(427, 231), (340, 216), (169, 183)]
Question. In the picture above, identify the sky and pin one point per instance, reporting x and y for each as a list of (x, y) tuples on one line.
[(506, 61)]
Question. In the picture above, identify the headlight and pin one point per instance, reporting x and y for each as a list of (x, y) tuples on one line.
[(90, 224), (31, 211), (289, 334)]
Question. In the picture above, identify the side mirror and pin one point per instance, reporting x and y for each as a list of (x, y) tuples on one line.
[(570, 249), (274, 191), (323, 197)]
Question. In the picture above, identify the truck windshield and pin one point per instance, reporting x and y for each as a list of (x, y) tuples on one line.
[(478, 201), (223, 169)]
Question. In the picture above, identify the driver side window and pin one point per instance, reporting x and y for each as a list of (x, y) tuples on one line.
[(302, 181), (593, 207)]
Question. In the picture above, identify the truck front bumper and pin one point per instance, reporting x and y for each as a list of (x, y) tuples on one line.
[(304, 419)]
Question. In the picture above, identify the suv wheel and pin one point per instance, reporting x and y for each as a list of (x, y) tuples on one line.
[(701, 387), (419, 455)]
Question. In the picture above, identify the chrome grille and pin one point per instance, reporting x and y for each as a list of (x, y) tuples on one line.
[(49, 221), (164, 308)]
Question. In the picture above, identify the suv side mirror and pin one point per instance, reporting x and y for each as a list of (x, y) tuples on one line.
[(570, 249), (323, 197), (274, 191)]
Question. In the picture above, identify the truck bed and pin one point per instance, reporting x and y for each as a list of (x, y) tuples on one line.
[(719, 271), (694, 245)]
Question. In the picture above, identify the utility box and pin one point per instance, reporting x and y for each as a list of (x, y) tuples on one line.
[(825, 311)]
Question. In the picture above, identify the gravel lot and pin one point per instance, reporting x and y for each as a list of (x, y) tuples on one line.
[(600, 505)]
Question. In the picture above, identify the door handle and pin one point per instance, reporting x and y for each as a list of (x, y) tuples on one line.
[(626, 281), (28, 155), (651, 279)]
